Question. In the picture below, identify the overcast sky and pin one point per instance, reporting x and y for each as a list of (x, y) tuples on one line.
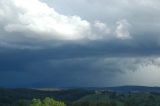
[(79, 43)]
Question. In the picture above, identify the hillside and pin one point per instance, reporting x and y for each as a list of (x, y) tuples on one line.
[(119, 99), (10, 96), (111, 96)]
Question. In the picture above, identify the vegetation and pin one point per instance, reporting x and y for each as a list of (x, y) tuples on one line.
[(119, 99), (78, 97), (46, 102)]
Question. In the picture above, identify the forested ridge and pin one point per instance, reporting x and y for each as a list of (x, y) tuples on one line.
[(76, 97)]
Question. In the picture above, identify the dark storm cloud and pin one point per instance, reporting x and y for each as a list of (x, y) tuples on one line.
[(116, 41), (75, 64), (113, 48), (72, 64), (13, 59)]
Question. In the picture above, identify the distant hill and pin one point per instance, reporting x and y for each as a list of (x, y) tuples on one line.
[(126, 89)]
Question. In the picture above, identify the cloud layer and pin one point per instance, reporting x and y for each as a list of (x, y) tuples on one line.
[(19, 16), (23, 25), (22, 22), (70, 42)]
